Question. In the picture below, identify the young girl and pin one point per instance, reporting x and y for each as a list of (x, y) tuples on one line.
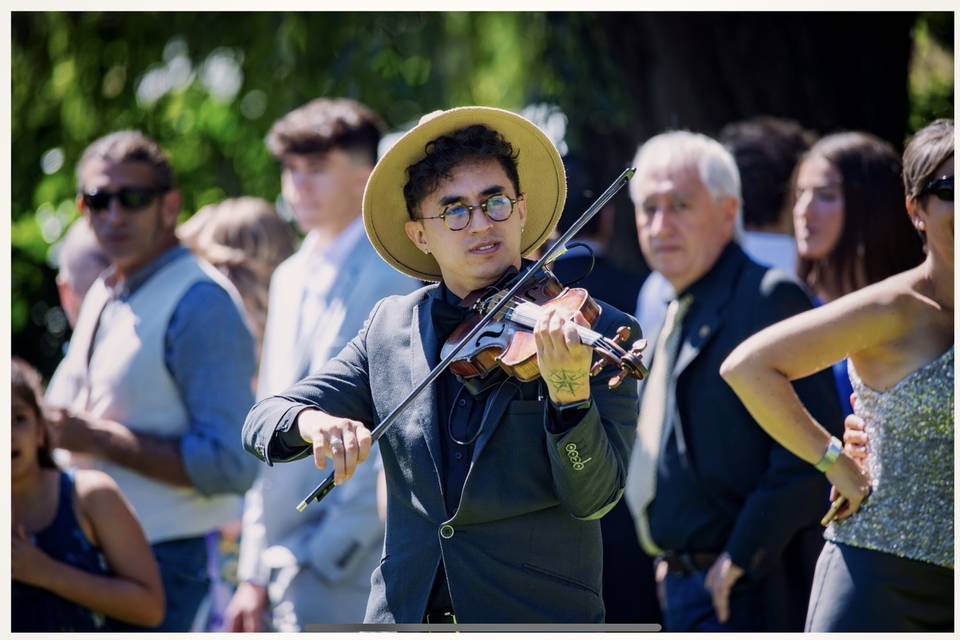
[(887, 566), (79, 560)]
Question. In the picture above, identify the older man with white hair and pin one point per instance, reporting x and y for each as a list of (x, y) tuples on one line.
[(729, 514)]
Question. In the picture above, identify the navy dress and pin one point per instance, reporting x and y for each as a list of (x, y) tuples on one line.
[(36, 609)]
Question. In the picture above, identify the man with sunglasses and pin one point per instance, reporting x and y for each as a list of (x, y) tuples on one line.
[(164, 361), (495, 487)]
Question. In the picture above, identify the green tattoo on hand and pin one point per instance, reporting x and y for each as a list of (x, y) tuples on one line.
[(564, 380)]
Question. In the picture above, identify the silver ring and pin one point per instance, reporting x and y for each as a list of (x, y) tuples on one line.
[(335, 444)]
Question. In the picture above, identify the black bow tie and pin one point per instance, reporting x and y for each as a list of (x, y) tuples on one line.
[(447, 316)]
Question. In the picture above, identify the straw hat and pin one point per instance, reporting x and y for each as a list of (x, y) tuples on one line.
[(541, 172)]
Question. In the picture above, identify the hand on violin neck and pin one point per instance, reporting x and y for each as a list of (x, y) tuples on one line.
[(564, 362)]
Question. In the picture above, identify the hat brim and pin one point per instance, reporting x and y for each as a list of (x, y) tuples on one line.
[(541, 172)]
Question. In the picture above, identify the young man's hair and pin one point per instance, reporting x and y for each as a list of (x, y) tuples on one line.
[(476, 143), (129, 146), (877, 239), (766, 150), (27, 385), (328, 123)]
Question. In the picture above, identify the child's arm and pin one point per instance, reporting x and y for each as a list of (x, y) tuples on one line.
[(134, 594)]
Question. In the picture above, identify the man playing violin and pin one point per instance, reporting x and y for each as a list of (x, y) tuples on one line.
[(495, 486)]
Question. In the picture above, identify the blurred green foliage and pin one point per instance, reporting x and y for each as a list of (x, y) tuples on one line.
[(210, 99), (931, 72), (208, 86)]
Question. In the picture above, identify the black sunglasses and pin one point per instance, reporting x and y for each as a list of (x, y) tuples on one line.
[(942, 188), (130, 198)]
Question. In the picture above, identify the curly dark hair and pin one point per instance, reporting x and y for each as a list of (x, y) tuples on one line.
[(328, 123), (446, 153), (27, 385)]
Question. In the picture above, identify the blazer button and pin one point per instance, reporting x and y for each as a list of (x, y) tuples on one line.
[(446, 532)]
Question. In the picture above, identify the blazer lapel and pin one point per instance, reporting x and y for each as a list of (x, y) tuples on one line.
[(292, 293), (295, 359), (704, 326), (325, 338), (709, 300), (494, 408), (347, 277), (424, 348)]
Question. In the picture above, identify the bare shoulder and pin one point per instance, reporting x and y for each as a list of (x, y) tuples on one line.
[(872, 317), (907, 296), (97, 491), (893, 300)]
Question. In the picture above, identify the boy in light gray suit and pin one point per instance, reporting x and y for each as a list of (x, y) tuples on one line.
[(314, 568), (494, 490)]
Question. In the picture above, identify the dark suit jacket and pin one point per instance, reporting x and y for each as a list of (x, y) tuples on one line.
[(767, 498), (525, 543)]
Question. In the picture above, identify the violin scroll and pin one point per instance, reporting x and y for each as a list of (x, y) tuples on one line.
[(631, 365), (630, 360)]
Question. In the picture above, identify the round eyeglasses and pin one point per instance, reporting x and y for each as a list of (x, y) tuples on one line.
[(497, 208)]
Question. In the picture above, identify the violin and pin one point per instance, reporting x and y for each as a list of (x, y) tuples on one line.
[(507, 341)]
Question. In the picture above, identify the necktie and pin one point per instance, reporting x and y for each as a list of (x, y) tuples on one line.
[(656, 408)]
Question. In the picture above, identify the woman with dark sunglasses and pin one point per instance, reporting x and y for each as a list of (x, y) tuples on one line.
[(888, 562)]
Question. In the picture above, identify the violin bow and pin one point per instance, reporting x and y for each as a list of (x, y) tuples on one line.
[(557, 249)]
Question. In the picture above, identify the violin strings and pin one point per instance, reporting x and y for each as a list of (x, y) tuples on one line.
[(529, 313)]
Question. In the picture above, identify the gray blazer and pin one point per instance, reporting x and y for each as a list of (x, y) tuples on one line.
[(316, 563), (524, 544)]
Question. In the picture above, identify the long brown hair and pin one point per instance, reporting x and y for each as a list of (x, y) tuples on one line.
[(877, 239), (26, 385)]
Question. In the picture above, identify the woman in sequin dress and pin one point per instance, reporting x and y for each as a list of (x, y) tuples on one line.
[(887, 566), (79, 559)]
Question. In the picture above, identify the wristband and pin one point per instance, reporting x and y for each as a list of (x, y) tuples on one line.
[(830, 455), (583, 404)]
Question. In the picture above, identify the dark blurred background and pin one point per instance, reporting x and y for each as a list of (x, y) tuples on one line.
[(208, 86)]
